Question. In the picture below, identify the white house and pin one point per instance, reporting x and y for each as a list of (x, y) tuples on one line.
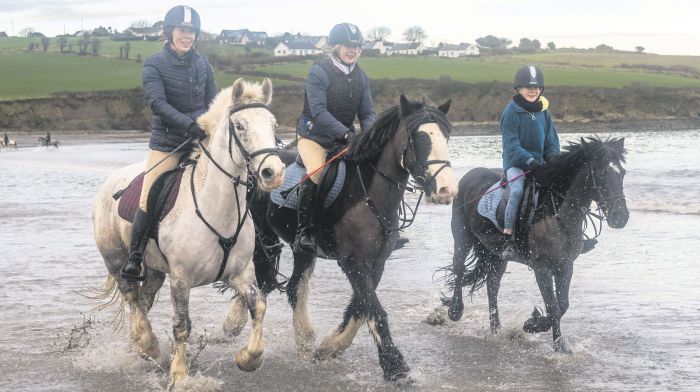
[(411, 48), (460, 50), (375, 45), (145, 33), (317, 41), (296, 49)]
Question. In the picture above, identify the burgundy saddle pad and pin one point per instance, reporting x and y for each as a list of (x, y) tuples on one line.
[(164, 190)]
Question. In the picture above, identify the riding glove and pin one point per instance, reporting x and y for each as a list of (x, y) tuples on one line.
[(196, 132)]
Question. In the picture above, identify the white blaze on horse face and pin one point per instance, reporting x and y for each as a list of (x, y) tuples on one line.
[(446, 184), (617, 169), (255, 128)]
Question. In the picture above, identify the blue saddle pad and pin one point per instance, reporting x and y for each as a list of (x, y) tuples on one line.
[(293, 174), (488, 204)]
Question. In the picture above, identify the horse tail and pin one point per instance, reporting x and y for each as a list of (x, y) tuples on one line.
[(108, 296), (477, 269)]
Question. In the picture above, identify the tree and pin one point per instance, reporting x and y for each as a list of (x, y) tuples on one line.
[(528, 46), (26, 32), (62, 42), (639, 49), (83, 45), (415, 34), (95, 46), (551, 46), (378, 33), (493, 42), (604, 48), (45, 43), (140, 24), (127, 49)]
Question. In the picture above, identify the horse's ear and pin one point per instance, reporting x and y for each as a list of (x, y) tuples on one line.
[(621, 142), (583, 142), (267, 91), (406, 107), (237, 90), (445, 107)]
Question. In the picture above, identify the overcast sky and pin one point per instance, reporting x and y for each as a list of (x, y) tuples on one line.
[(664, 27)]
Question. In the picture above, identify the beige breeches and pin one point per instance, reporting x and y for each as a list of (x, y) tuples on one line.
[(168, 164), (313, 156)]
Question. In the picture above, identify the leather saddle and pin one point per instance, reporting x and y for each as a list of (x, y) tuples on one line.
[(332, 181)]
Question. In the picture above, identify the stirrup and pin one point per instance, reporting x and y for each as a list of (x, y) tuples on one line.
[(310, 250), (129, 277)]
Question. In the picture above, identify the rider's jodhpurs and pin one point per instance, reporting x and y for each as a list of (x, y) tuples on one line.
[(313, 156), (154, 157)]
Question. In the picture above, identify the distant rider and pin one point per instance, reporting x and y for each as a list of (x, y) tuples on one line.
[(179, 86)]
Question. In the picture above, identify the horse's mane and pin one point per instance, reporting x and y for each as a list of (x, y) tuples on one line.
[(559, 173), (369, 144)]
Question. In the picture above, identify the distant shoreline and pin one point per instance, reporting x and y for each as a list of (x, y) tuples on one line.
[(29, 138)]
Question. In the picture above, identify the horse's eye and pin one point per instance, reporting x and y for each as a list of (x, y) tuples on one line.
[(239, 127)]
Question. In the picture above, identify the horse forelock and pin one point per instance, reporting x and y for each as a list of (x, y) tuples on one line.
[(370, 143), (252, 93)]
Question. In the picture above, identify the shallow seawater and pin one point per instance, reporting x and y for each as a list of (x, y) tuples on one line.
[(632, 324)]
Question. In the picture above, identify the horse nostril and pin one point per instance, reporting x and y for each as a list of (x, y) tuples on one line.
[(267, 173), (444, 192)]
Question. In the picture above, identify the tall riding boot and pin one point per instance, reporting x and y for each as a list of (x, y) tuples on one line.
[(139, 235), (510, 251), (304, 241), (588, 245)]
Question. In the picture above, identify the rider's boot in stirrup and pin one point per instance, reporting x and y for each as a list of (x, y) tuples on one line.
[(588, 245), (510, 251), (139, 229), (304, 241)]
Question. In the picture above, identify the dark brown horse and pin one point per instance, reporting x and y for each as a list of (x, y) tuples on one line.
[(587, 171), (359, 229)]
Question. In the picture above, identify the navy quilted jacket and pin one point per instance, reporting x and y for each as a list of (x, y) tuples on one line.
[(178, 90)]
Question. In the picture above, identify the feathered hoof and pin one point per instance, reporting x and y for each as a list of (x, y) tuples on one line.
[(322, 354), (148, 348), (247, 361), (562, 346), (537, 323), (399, 375), (455, 310)]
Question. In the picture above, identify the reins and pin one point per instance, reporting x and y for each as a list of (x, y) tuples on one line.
[(227, 244)]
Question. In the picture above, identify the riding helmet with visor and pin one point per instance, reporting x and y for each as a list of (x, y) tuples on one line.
[(529, 76), (345, 33), (181, 16)]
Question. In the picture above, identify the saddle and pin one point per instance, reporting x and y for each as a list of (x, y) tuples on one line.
[(493, 205), (332, 181), (161, 197)]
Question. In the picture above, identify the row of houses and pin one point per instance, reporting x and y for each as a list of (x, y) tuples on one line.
[(302, 48)]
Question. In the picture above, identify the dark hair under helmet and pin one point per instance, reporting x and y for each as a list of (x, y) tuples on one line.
[(529, 76), (182, 16), (345, 33)]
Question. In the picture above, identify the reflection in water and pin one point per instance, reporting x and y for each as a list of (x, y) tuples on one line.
[(635, 298)]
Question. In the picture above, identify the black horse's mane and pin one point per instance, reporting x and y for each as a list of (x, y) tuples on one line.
[(559, 173), (369, 144)]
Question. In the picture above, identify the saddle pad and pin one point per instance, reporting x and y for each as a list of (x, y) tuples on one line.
[(293, 174), (488, 204), (129, 200)]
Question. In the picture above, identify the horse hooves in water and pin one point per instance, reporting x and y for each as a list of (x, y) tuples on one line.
[(455, 308), (562, 346), (537, 323), (247, 361)]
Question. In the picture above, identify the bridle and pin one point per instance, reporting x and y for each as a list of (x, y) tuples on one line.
[(604, 202), (420, 170), (228, 243)]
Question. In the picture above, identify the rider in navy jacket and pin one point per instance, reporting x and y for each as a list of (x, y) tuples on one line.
[(179, 86)]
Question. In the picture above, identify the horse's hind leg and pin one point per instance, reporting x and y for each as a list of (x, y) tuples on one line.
[(298, 297), (250, 357), (140, 330), (341, 338), (497, 268), (463, 242)]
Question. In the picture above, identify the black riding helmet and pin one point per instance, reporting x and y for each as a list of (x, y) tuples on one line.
[(345, 33), (181, 16), (529, 76)]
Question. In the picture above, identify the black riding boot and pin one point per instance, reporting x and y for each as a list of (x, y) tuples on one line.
[(510, 251), (588, 245), (139, 231), (304, 241)]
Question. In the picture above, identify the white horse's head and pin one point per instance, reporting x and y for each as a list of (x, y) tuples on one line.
[(240, 121)]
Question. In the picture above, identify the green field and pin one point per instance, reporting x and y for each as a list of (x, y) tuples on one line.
[(496, 69), (38, 74)]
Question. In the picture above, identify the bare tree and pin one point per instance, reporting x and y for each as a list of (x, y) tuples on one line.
[(83, 45), (415, 34), (639, 49), (26, 32), (62, 42), (140, 24), (378, 33), (95, 46)]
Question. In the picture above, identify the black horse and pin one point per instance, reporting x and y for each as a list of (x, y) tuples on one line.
[(46, 142), (359, 229), (588, 171)]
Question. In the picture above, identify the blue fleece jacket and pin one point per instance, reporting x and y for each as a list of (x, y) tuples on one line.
[(527, 136)]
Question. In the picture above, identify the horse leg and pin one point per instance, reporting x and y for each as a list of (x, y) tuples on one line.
[(298, 296), (143, 335), (140, 330), (236, 317), (463, 242), (497, 268), (563, 281), (250, 357), (341, 338), (546, 284), (182, 325)]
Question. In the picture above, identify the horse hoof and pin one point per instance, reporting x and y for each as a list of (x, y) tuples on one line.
[(456, 310), (321, 355), (399, 376), (148, 348), (248, 362), (562, 346), (537, 325)]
